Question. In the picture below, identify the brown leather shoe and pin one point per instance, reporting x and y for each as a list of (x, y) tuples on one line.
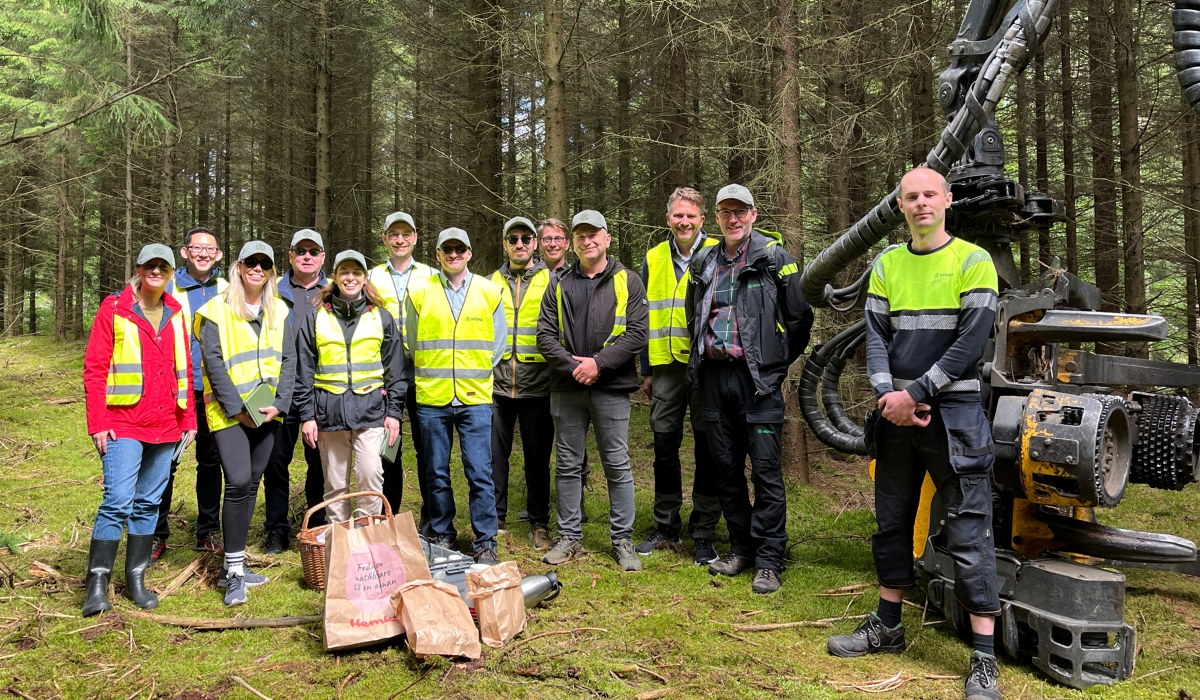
[(540, 537)]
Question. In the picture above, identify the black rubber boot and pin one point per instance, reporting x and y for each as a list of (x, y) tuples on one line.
[(137, 558), (101, 556)]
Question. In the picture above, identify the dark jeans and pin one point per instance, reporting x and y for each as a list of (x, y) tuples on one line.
[(740, 424), (208, 482), (905, 455), (244, 456), (277, 478), (474, 426), (537, 441)]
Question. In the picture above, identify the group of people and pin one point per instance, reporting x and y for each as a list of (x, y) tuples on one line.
[(714, 322)]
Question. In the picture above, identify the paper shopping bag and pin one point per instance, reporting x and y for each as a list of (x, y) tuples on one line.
[(499, 602), (436, 620)]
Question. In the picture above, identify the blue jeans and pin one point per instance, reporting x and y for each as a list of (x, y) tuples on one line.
[(135, 474), (474, 425)]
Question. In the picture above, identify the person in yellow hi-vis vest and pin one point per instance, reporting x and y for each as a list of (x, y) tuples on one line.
[(246, 340), (457, 332), (137, 383), (351, 383)]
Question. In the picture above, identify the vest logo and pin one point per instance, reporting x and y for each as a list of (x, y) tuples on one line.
[(942, 275), (475, 319)]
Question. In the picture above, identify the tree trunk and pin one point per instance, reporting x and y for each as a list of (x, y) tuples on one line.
[(677, 102), (556, 104), (80, 256), (60, 276), (1131, 168), (323, 175), (484, 88), (1190, 138), (922, 126), (1022, 138), (1105, 243), (786, 91), (624, 167), (1068, 134), (1040, 147), (129, 164)]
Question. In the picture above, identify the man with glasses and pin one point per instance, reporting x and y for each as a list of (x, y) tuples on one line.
[(591, 328), (298, 287), (192, 286), (748, 322), (664, 370), (392, 280), (457, 331), (554, 244), (522, 383)]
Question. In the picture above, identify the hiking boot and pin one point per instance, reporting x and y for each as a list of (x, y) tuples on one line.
[(487, 555), (540, 537), (705, 552), (249, 578), (277, 542), (445, 541), (732, 565), (765, 581), (658, 539), (871, 637), (626, 558), (158, 547), (210, 542), (235, 590), (983, 680), (563, 551)]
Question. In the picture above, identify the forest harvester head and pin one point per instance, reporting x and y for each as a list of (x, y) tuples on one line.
[(1067, 442)]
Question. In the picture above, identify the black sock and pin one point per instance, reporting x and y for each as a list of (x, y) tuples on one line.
[(889, 613), (984, 643)]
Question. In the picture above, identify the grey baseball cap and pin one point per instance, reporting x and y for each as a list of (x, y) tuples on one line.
[(259, 248), (737, 192), (350, 255), (454, 234), (156, 251), (307, 234), (398, 216), (590, 217), (518, 221)]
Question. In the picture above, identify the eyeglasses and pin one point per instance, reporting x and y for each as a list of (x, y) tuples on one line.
[(454, 250), (554, 240), (526, 239), (726, 214), (393, 235), (311, 252), (203, 249), (264, 263)]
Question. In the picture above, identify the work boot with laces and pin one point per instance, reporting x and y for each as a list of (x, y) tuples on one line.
[(871, 637), (564, 550), (732, 565), (765, 581), (983, 680), (626, 558)]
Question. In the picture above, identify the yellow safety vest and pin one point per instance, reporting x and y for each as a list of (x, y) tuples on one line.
[(522, 321), (621, 288), (357, 366), (181, 296), (250, 359), (124, 385), (453, 358), (380, 277), (666, 297)]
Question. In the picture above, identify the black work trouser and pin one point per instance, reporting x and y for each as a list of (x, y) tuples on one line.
[(208, 481), (537, 441), (741, 424), (393, 472), (906, 453), (277, 477), (245, 454)]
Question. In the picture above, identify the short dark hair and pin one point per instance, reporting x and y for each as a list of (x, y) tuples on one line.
[(187, 237)]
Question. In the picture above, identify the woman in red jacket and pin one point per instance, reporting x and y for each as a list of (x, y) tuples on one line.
[(137, 380)]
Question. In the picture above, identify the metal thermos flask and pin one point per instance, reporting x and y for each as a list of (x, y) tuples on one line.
[(539, 587)]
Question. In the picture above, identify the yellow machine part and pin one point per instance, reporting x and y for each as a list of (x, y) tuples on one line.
[(921, 524)]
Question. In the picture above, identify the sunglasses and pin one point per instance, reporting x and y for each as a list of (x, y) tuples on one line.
[(160, 265), (311, 252), (454, 250), (264, 263), (526, 239)]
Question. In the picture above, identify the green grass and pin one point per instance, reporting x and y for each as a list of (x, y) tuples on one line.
[(673, 620)]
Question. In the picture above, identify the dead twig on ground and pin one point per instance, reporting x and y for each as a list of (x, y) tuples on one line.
[(404, 690), (827, 622), (203, 623), (653, 694), (507, 650), (182, 578), (247, 686), (740, 639), (20, 694)]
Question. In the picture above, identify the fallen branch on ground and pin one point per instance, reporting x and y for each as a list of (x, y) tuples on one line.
[(504, 652), (827, 622), (203, 623)]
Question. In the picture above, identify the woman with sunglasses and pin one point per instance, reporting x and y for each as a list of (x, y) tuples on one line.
[(351, 387), (137, 382), (248, 350)]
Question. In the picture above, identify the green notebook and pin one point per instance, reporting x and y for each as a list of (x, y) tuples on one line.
[(387, 451), (262, 397)]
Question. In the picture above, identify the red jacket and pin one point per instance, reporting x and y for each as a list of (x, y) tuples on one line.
[(156, 418)]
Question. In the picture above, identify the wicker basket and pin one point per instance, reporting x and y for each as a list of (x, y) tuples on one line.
[(312, 551)]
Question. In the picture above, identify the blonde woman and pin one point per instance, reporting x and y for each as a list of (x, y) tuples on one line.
[(351, 387), (137, 381), (246, 342)]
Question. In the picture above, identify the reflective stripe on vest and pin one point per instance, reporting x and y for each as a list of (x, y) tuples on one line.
[(666, 298), (381, 278), (453, 358), (250, 359), (124, 385), (621, 288), (522, 335), (362, 372)]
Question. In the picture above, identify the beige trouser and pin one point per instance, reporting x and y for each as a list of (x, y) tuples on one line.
[(339, 450)]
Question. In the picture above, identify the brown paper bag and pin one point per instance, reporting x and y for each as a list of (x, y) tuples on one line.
[(499, 603), (364, 566), (436, 620)]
